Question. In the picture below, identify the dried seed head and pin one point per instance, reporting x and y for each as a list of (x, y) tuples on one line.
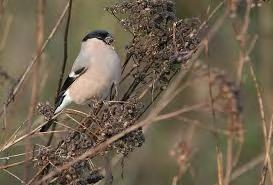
[(46, 110), (157, 44)]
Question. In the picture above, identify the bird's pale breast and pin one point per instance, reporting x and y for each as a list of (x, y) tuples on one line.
[(96, 82)]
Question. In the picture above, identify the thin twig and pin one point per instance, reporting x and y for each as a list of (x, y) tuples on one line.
[(15, 176), (262, 113), (200, 125), (181, 111), (250, 165), (64, 64), (267, 153), (65, 49), (12, 165), (14, 140), (213, 112), (18, 86), (35, 82), (215, 10), (244, 54), (36, 175), (242, 39)]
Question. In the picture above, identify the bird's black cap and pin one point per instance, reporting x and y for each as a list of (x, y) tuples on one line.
[(98, 34)]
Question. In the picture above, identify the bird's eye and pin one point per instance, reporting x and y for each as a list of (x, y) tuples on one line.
[(109, 40)]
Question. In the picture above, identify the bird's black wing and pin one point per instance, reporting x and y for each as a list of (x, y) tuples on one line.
[(59, 99), (47, 125), (70, 79)]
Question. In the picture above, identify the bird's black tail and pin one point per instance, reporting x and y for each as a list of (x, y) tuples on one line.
[(47, 125)]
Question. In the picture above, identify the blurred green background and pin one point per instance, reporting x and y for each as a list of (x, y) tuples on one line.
[(152, 163)]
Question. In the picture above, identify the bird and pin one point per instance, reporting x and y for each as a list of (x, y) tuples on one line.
[(96, 70)]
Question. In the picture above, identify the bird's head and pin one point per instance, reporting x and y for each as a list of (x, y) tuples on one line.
[(102, 35)]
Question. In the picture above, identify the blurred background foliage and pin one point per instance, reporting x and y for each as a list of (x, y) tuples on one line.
[(151, 164)]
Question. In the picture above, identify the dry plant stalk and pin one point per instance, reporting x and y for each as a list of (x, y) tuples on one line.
[(227, 103), (15, 89), (35, 83)]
